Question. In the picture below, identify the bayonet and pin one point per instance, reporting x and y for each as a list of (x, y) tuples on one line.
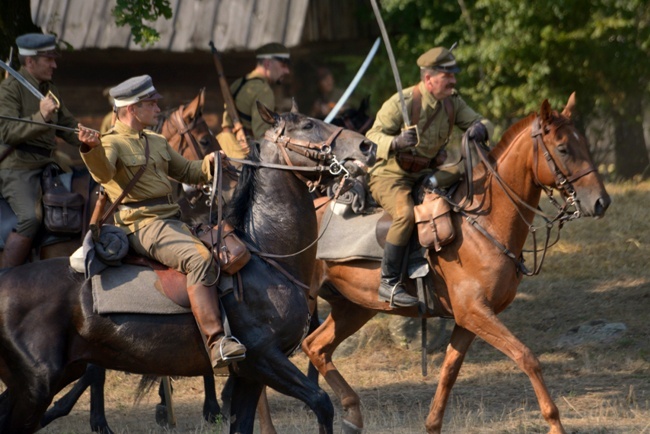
[(22, 80)]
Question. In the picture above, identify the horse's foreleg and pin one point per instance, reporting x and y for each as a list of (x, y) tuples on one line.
[(264, 415), (211, 409), (459, 343), (493, 331), (319, 347), (243, 401)]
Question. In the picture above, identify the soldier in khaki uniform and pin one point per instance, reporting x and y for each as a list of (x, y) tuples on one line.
[(147, 213), (273, 62), (21, 170), (437, 107)]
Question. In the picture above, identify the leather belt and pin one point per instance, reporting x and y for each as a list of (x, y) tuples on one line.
[(164, 200), (35, 150)]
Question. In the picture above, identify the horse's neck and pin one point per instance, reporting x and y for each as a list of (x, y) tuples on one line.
[(281, 219), (507, 219)]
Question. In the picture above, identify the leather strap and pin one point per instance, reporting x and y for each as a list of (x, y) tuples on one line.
[(130, 185), (417, 107)]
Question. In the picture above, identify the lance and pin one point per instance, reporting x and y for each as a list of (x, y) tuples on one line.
[(354, 82)]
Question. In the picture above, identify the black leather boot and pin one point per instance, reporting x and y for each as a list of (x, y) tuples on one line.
[(391, 288)]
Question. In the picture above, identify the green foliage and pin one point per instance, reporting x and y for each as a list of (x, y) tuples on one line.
[(135, 13)]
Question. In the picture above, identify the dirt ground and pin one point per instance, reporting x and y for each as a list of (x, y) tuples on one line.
[(597, 273)]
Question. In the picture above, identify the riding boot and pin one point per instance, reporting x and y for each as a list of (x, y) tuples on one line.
[(391, 288), (205, 307), (16, 251)]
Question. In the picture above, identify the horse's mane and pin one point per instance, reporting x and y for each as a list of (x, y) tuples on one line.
[(239, 204), (510, 135)]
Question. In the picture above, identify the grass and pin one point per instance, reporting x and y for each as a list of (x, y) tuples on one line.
[(599, 270)]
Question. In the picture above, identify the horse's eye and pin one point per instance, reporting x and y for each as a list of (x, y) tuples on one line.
[(308, 125), (562, 149)]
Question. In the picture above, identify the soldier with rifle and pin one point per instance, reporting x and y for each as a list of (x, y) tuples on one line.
[(273, 63)]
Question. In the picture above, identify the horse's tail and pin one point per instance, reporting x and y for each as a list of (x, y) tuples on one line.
[(147, 382)]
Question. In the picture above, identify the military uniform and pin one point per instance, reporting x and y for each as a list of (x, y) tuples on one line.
[(148, 214), (21, 170), (255, 87), (390, 184), (246, 91)]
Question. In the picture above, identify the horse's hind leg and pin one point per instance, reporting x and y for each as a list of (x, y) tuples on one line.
[(94, 377), (319, 347)]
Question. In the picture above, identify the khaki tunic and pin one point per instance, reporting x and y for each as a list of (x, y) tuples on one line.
[(120, 157), (391, 186), (255, 89), (20, 171), (17, 101)]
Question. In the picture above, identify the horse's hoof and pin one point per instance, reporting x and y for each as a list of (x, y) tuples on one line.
[(161, 415), (350, 428)]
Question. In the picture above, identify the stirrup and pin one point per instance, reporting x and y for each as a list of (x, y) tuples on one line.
[(393, 292), (227, 360)]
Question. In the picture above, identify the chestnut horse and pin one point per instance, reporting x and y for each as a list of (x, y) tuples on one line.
[(474, 280), (46, 345)]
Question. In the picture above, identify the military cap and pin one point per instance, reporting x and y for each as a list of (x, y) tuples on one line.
[(440, 59), (134, 90), (37, 44), (273, 50)]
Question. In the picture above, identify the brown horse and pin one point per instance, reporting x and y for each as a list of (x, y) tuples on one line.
[(473, 279)]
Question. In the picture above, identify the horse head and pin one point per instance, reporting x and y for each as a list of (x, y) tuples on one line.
[(356, 119), (309, 142), (187, 132), (563, 160)]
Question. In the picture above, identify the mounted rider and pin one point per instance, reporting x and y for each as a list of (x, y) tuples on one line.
[(273, 64), (34, 145), (405, 155), (147, 213)]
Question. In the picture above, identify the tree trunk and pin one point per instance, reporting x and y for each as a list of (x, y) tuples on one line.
[(629, 147)]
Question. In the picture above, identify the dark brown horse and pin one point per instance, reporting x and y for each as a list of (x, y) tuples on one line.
[(45, 346), (473, 279)]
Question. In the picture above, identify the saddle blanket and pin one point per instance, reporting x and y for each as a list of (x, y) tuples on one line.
[(131, 289), (349, 236)]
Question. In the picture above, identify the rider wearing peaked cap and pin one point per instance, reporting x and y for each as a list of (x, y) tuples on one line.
[(273, 64), (33, 145), (148, 214), (404, 156)]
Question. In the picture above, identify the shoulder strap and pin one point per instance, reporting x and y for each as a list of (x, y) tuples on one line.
[(417, 105), (130, 185), (244, 80), (449, 108)]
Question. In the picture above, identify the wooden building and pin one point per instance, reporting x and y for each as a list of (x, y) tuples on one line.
[(181, 62)]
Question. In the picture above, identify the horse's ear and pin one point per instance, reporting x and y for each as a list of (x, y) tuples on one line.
[(364, 105), (268, 115), (294, 106), (570, 106), (193, 108), (545, 112)]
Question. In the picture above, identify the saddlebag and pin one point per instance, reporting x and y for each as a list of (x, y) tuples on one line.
[(62, 210), (233, 253), (433, 222)]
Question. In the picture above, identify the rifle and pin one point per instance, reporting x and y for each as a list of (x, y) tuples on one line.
[(11, 55), (238, 128)]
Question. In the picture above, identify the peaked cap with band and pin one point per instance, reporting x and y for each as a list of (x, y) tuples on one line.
[(273, 50), (134, 90), (440, 59), (37, 44)]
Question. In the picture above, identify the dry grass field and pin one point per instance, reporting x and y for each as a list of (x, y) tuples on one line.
[(600, 270)]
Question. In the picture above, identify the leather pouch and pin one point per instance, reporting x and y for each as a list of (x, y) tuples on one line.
[(232, 255), (433, 222)]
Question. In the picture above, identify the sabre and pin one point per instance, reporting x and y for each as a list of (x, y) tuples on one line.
[(22, 80), (353, 83), (393, 64)]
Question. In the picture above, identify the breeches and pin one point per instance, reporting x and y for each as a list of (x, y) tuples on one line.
[(22, 190), (171, 243), (394, 196)]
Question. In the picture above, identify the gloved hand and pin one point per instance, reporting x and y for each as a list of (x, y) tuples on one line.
[(406, 139), (477, 132)]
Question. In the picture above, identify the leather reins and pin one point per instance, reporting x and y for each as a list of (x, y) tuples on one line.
[(563, 184), (184, 131)]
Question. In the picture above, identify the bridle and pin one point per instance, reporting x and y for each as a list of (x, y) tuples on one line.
[(185, 131), (320, 152), (563, 182)]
